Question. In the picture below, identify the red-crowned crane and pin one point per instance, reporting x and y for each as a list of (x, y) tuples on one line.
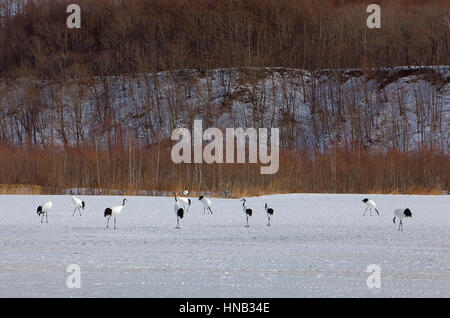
[(178, 208), (184, 201), (43, 210), (401, 214), (114, 211), (269, 212), (78, 205), (206, 204), (248, 212), (370, 205)]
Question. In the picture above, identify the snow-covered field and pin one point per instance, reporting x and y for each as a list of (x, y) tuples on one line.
[(318, 246)]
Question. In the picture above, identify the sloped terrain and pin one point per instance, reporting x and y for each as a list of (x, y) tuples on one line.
[(382, 109)]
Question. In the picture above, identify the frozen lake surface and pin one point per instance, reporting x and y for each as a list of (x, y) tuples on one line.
[(319, 245)]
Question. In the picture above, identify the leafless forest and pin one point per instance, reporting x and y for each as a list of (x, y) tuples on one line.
[(359, 110)]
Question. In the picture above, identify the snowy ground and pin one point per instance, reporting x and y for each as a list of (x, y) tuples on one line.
[(318, 246)]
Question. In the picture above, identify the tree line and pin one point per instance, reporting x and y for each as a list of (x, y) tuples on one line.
[(135, 36)]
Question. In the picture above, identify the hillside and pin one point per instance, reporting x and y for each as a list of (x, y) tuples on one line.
[(402, 108), (359, 109), (379, 130)]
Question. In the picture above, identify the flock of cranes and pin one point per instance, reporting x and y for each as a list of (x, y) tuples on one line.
[(182, 204)]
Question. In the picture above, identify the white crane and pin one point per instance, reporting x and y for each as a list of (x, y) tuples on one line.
[(370, 205), (269, 212), (178, 208), (114, 211), (401, 214), (78, 205), (43, 209), (206, 204), (184, 201), (248, 212)]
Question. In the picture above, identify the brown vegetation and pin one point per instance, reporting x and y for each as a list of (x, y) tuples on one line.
[(141, 172)]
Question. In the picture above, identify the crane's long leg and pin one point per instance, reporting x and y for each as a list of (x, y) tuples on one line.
[(268, 221), (210, 210), (107, 222), (377, 211), (115, 222), (42, 219), (46, 217), (365, 211), (178, 223), (79, 210), (246, 225), (75, 210)]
